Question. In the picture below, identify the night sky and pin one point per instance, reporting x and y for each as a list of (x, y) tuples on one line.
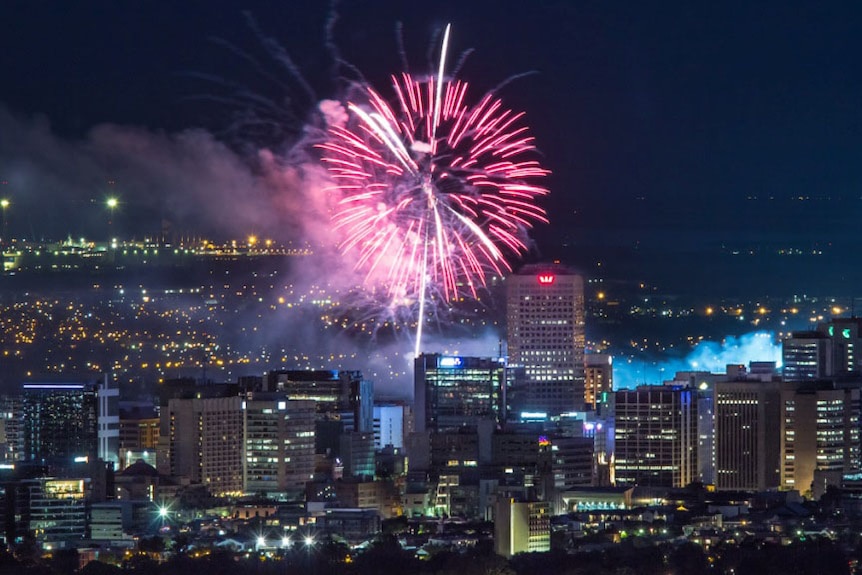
[(663, 122)]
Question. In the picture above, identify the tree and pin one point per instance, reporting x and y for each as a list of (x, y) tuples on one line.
[(688, 559), (65, 561), (99, 568)]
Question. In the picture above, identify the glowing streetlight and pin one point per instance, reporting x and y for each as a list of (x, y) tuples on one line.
[(4, 203), (309, 540), (112, 204)]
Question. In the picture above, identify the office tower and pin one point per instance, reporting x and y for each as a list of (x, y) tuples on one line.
[(545, 334), (278, 444), (598, 378), (109, 423), (206, 442), (333, 391), (819, 434), (833, 349), (747, 445), (806, 355), (521, 527), (59, 423), (10, 428), (452, 392), (57, 508), (572, 461), (357, 453), (656, 436), (846, 336)]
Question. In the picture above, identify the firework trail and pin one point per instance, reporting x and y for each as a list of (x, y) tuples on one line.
[(433, 192)]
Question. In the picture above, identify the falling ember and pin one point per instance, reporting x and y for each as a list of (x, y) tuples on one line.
[(434, 191)]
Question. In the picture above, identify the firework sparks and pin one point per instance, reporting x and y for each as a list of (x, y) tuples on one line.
[(434, 192)]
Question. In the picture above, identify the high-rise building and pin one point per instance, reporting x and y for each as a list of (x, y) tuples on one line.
[(834, 349), (279, 444), (452, 392), (207, 441), (846, 336), (819, 433), (747, 447), (545, 335), (109, 423), (253, 443), (59, 423), (10, 428), (656, 436), (598, 377), (806, 356), (332, 391)]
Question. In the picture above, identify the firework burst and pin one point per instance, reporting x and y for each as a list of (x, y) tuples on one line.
[(434, 192)]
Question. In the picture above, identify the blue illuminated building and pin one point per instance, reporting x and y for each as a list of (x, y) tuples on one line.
[(455, 392)]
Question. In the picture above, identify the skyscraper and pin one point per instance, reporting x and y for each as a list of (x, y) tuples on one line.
[(279, 444), (833, 349), (819, 434), (545, 327), (332, 391), (206, 442), (59, 422), (806, 355), (747, 450), (452, 392), (656, 436)]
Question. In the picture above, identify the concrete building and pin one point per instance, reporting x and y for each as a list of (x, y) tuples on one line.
[(833, 349), (747, 447), (806, 356), (545, 335), (207, 442), (656, 436), (598, 378), (139, 436), (819, 434), (278, 444), (109, 423), (521, 527)]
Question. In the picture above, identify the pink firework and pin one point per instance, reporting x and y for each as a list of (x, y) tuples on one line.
[(434, 191)]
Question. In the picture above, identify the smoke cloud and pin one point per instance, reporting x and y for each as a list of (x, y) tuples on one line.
[(709, 356), (190, 179)]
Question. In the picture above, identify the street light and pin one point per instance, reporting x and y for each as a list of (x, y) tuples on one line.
[(4, 203), (112, 204)]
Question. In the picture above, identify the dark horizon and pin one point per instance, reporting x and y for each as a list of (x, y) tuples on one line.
[(664, 127)]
